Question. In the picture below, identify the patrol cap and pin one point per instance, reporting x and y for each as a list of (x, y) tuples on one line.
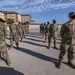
[(72, 15), (47, 22), (54, 20), (44, 23), (41, 23)]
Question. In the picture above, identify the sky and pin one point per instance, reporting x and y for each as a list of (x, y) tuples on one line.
[(41, 10)]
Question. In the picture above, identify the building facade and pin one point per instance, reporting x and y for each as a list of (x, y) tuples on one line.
[(19, 18), (25, 18), (2, 15), (15, 16)]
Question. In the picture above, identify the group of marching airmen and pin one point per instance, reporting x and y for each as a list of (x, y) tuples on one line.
[(18, 31), (67, 33), (49, 31)]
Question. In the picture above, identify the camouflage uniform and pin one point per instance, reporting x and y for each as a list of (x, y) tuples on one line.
[(3, 47), (53, 34), (43, 30), (27, 28), (46, 31), (23, 31), (14, 35), (68, 42), (20, 32), (6, 29), (40, 29)]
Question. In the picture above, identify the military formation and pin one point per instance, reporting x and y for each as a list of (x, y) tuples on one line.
[(18, 31), (48, 31)]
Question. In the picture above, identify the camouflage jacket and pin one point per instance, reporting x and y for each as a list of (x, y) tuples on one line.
[(14, 29), (20, 29), (67, 32), (47, 28), (53, 29), (2, 33), (23, 28)]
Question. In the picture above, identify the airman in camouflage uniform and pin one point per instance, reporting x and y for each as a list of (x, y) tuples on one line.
[(3, 47), (43, 29), (23, 30), (46, 31), (40, 29), (14, 35), (68, 40), (6, 28), (20, 31), (27, 27), (53, 33)]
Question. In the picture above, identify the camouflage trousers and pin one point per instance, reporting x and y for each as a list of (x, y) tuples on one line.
[(43, 34), (66, 48), (3, 49), (14, 38), (40, 32), (46, 36), (50, 38), (21, 36), (27, 31)]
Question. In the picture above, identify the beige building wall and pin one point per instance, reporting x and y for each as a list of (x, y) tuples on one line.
[(22, 19), (12, 16), (2, 15), (19, 17), (15, 16), (26, 18)]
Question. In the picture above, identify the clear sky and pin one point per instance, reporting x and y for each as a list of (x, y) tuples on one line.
[(41, 10)]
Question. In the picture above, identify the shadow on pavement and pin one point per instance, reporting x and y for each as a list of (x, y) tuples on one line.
[(34, 39), (34, 36), (34, 43), (40, 56), (59, 39), (9, 71), (56, 42), (34, 33)]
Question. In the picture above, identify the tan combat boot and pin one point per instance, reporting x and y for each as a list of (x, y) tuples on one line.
[(71, 64), (59, 64), (8, 62), (48, 47), (10, 47), (17, 44)]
